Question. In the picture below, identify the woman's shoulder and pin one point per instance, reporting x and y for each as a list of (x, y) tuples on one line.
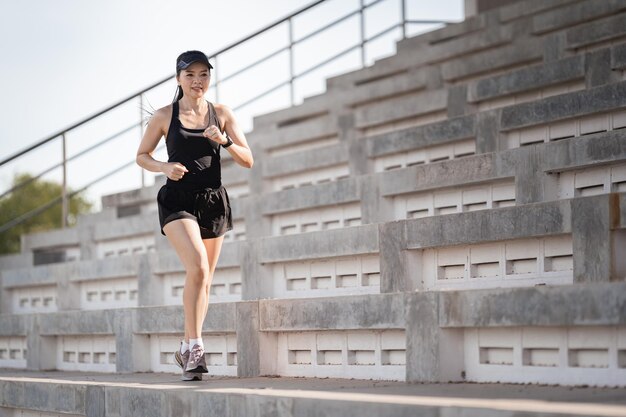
[(223, 111), (220, 107), (165, 110), (163, 114)]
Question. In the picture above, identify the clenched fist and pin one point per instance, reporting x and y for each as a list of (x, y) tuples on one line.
[(212, 132), (174, 170)]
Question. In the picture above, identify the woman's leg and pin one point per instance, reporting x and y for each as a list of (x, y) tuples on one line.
[(213, 248), (184, 236)]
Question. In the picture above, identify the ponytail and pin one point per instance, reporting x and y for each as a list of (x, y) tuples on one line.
[(178, 94)]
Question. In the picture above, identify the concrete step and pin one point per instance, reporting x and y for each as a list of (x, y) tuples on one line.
[(155, 395)]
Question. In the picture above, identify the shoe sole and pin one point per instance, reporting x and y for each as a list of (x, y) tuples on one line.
[(198, 370), (195, 377)]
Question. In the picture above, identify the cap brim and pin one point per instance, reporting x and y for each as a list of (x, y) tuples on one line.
[(187, 64)]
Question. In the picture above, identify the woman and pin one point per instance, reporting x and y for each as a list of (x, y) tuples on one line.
[(194, 210)]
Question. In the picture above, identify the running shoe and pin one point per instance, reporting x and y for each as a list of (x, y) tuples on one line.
[(196, 362), (181, 360)]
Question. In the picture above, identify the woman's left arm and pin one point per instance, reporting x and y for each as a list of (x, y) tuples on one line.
[(239, 150)]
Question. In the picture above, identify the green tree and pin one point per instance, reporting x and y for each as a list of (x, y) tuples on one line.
[(31, 196)]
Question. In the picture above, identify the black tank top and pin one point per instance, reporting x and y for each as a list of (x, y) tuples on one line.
[(200, 155)]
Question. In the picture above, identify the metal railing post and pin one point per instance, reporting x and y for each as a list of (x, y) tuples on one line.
[(214, 72), (291, 69), (362, 19), (64, 205), (141, 131), (403, 17)]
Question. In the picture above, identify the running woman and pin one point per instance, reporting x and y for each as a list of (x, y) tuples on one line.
[(194, 210)]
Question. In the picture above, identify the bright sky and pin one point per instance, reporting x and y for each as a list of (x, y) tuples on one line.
[(63, 60)]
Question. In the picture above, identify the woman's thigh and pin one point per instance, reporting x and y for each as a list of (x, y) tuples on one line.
[(184, 236), (213, 248)]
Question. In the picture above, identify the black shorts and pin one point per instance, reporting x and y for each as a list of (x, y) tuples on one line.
[(209, 207)]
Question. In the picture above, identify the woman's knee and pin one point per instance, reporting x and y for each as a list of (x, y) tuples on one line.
[(199, 272)]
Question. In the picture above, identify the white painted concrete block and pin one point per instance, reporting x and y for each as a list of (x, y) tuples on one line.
[(530, 135), (38, 299), (361, 341), (594, 123), (327, 277), (309, 177), (318, 218), (522, 262), (553, 355), (454, 200), (371, 354), (591, 178), (86, 353), (13, 352), (463, 148), (109, 293), (330, 341), (427, 155), (300, 340), (439, 153), (125, 246), (618, 118), (592, 181), (561, 129)]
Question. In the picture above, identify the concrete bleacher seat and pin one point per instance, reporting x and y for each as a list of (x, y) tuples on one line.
[(454, 212)]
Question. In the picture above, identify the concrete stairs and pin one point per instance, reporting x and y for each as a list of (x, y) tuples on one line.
[(122, 395), (454, 214)]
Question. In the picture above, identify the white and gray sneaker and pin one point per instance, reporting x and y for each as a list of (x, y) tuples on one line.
[(181, 360), (196, 362)]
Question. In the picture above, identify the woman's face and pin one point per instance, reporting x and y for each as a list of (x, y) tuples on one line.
[(194, 80)]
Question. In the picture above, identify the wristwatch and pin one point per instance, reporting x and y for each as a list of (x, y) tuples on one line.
[(229, 142)]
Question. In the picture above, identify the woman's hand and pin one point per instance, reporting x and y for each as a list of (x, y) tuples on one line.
[(173, 170), (213, 133)]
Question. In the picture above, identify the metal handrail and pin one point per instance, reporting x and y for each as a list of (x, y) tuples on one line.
[(23, 217), (81, 153), (64, 197), (313, 68)]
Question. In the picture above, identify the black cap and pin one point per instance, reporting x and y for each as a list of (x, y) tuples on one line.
[(187, 58)]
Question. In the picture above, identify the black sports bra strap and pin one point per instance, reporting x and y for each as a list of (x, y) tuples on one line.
[(217, 119), (175, 111)]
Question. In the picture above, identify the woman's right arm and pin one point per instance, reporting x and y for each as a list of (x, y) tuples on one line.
[(151, 137)]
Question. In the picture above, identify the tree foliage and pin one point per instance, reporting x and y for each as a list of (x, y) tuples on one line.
[(30, 197)]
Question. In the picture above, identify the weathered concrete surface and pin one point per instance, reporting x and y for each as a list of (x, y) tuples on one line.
[(575, 104), (382, 311), (582, 304), (338, 242), (484, 226), (156, 395), (528, 78)]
